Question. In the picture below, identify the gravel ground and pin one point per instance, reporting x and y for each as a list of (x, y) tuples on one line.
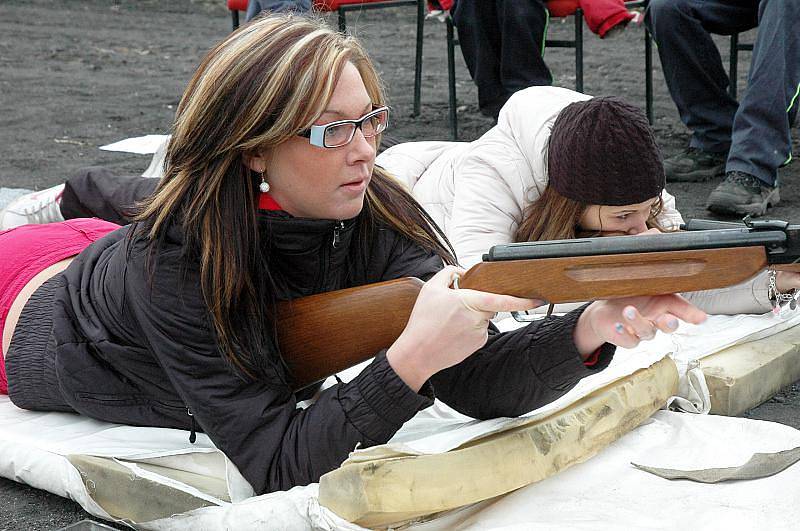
[(77, 74)]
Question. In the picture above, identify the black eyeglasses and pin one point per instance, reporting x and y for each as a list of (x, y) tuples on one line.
[(341, 132)]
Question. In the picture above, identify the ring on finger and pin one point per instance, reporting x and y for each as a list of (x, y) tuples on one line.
[(650, 335), (647, 333)]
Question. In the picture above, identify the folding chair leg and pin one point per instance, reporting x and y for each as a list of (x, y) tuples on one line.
[(418, 60), (451, 80), (648, 75), (342, 21), (733, 71), (234, 18), (579, 50)]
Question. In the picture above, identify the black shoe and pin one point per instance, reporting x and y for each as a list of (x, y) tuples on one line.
[(741, 193), (694, 165)]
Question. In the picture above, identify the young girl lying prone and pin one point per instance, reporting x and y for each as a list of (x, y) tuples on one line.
[(169, 321), (558, 165)]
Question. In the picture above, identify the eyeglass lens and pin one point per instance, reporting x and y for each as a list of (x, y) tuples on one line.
[(341, 134)]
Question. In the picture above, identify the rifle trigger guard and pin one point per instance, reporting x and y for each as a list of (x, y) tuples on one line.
[(525, 317)]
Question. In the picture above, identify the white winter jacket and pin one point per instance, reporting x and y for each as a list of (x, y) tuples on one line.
[(476, 192)]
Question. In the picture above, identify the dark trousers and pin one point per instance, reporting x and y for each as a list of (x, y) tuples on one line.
[(99, 193), (502, 42), (755, 132), (256, 7)]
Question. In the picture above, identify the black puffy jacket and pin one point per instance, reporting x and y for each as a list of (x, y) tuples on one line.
[(136, 347)]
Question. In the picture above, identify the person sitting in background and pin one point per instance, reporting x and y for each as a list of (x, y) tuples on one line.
[(503, 41), (746, 141), (271, 193)]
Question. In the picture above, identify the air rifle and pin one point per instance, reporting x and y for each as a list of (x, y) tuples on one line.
[(323, 334)]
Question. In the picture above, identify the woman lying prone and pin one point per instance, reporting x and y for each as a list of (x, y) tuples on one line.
[(270, 193)]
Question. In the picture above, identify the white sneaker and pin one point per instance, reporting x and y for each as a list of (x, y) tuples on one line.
[(36, 207)]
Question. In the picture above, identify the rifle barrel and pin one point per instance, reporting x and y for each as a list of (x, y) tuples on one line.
[(773, 240)]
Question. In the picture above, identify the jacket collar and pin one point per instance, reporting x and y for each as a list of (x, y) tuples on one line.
[(287, 233), (303, 252)]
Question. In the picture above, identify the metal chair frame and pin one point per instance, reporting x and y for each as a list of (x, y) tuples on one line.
[(733, 68), (421, 11), (576, 43), (733, 71)]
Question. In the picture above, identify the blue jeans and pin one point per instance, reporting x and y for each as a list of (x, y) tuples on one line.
[(754, 132)]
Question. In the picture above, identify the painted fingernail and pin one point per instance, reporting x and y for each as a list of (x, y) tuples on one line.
[(672, 323), (619, 328), (630, 313)]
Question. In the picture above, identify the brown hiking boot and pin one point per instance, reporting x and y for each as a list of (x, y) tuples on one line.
[(741, 193), (694, 165)]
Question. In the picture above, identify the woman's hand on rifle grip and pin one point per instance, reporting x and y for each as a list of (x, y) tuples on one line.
[(628, 321), (445, 326)]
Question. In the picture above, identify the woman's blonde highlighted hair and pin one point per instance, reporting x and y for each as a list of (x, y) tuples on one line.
[(253, 91)]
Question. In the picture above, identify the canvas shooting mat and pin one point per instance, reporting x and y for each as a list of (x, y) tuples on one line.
[(195, 484)]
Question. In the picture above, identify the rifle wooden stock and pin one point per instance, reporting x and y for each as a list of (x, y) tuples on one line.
[(323, 334), (586, 278)]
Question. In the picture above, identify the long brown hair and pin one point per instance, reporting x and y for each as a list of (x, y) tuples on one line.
[(253, 91), (555, 217)]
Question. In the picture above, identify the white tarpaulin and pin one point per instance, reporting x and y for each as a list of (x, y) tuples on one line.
[(605, 492), (34, 446), (141, 145)]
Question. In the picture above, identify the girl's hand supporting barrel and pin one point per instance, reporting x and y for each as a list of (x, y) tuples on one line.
[(446, 326), (626, 322)]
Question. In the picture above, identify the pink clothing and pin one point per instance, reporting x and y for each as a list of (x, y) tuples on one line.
[(29, 249)]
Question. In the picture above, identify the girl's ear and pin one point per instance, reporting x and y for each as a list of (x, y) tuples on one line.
[(256, 161)]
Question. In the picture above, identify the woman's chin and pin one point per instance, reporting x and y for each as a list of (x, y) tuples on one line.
[(348, 208)]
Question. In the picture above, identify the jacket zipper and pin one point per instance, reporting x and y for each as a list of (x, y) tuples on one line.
[(337, 229), (193, 433), (326, 255)]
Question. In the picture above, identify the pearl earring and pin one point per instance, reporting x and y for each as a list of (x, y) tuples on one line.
[(264, 186)]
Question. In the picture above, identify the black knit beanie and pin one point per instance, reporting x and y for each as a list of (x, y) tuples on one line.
[(602, 152)]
